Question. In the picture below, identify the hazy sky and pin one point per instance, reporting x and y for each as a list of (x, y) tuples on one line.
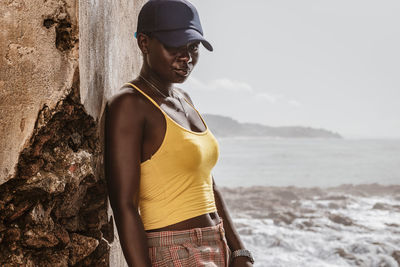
[(330, 64)]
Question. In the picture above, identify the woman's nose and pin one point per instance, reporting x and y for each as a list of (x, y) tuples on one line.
[(185, 55)]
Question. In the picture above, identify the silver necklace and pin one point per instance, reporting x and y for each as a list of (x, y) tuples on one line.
[(174, 94)]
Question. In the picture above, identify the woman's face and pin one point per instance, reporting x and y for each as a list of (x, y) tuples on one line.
[(172, 64)]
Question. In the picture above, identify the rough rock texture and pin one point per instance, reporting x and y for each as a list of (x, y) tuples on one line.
[(53, 200), (54, 212), (38, 58)]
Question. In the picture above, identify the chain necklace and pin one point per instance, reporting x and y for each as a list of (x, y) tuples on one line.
[(174, 92)]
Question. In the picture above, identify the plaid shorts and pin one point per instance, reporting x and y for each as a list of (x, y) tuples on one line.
[(205, 246)]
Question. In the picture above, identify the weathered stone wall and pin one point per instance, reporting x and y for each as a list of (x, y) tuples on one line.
[(38, 58), (53, 204), (54, 211)]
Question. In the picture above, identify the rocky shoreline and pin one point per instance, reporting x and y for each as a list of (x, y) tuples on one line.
[(347, 225)]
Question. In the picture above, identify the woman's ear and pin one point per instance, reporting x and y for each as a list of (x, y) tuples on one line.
[(143, 42)]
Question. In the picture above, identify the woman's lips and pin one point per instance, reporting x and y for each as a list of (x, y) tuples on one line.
[(182, 72)]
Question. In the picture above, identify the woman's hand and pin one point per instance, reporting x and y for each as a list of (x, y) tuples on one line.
[(232, 236), (241, 262)]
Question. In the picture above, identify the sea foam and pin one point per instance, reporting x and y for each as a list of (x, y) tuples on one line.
[(337, 226)]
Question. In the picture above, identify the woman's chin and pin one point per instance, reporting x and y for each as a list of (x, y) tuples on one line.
[(180, 79)]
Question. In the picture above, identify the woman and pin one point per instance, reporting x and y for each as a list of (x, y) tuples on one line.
[(160, 152)]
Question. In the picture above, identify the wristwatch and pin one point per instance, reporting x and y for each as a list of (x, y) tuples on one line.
[(243, 253)]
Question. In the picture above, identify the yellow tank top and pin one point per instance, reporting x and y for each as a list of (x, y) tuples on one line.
[(176, 182)]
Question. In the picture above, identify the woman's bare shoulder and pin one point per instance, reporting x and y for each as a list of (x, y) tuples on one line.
[(126, 102), (124, 94)]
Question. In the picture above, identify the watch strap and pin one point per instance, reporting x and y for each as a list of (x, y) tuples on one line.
[(243, 253)]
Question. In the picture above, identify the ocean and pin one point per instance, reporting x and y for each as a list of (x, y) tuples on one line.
[(306, 162), (314, 202)]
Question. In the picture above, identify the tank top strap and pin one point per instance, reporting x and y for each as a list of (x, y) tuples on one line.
[(168, 118), (148, 97), (187, 101)]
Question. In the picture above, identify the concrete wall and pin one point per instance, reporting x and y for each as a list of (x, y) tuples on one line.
[(108, 53), (108, 57), (59, 62)]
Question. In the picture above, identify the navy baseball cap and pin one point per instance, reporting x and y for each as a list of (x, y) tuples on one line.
[(173, 22)]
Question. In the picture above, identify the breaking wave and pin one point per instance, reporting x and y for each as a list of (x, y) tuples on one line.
[(347, 225)]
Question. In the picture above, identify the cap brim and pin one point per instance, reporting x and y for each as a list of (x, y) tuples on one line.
[(179, 38)]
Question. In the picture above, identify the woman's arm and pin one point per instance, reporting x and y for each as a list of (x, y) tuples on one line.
[(123, 137), (232, 237), (231, 234)]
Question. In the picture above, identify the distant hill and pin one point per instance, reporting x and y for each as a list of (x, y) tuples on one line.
[(226, 126)]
